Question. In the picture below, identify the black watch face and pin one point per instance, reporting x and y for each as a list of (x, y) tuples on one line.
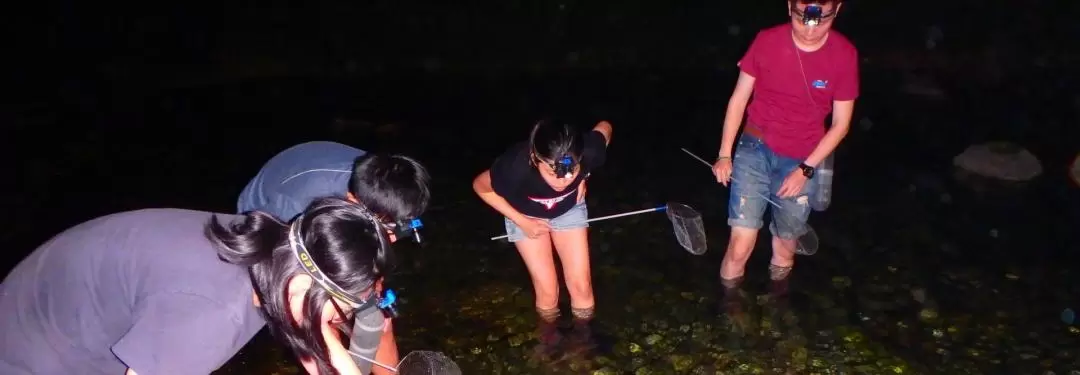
[(807, 171)]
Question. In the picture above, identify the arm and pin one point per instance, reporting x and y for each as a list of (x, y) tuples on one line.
[(604, 128), (482, 187), (388, 350), (841, 123), (847, 90), (339, 356), (736, 108)]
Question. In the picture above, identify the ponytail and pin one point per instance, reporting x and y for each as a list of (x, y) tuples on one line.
[(348, 244), (248, 241)]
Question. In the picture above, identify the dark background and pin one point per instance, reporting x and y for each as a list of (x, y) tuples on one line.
[(114, 107)]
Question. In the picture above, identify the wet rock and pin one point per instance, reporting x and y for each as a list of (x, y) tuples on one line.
[(999, 160), (681, 362), (923, 87)]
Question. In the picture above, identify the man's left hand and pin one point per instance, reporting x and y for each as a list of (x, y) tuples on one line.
[(581, 192), (792, 185)]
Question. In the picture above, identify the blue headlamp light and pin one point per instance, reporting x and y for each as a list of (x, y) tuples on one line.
[(564, 167), (812, 15), (408, 228)]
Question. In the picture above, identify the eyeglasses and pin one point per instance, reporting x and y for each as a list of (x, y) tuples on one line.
[(387, 303), (345, 319)]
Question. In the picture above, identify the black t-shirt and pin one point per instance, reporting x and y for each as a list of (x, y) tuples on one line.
[(520, 183)]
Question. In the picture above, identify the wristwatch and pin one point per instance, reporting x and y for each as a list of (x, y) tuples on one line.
[(807, 170)]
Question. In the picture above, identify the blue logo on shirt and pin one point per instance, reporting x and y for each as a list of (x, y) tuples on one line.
[(819, 84)]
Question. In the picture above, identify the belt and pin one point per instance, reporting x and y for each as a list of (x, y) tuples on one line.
[(752, 129)]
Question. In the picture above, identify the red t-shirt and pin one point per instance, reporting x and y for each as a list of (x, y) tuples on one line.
[(790, 122)]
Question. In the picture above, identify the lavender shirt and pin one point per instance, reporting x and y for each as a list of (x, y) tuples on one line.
[(139, 289)]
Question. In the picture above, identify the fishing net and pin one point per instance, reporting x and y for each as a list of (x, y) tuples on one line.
[(427, 363), (689, 228), (421, 362), (806, 240)]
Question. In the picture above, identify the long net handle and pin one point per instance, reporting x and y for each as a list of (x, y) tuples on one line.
[(777, 205), (376, 363), (655, 209)]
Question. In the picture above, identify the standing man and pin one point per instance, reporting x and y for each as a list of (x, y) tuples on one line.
[(393, 187), (798, 72)]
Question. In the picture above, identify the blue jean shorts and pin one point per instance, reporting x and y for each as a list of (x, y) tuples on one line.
[(577, 217), (758, 171)]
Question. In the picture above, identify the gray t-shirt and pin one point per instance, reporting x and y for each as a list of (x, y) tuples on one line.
[(139, 289), (290, 180)]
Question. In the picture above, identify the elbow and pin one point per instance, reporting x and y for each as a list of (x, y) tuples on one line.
[(605, 129), (739, 99), (482, 183)]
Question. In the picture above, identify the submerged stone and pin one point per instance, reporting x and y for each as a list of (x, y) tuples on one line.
[(999, 160)]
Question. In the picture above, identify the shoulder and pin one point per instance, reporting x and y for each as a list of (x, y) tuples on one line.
[(773, 34), (510, 167), (516, 155), (595, 139), (840, 45), (315, 154), (323, 147)]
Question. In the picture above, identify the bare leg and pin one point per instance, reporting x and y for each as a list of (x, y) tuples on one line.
[(539, 259), (573, 248)]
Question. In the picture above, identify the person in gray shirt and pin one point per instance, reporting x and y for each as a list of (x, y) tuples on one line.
[(172, 291), (394, 187)]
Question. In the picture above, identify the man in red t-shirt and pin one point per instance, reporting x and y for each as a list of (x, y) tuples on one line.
[(798, 72)]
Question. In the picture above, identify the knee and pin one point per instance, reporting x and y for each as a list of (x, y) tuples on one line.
[(580, 287), (742, 241)]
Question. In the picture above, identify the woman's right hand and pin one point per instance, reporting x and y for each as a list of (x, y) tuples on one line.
[(722, 170), (533, 227)]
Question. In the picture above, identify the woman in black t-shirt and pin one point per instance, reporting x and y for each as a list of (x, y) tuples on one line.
[(539, 186)]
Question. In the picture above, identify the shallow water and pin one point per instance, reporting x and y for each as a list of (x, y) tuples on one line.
[(917, 272)]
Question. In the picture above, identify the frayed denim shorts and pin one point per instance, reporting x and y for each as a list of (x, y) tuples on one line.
[(576, 218)]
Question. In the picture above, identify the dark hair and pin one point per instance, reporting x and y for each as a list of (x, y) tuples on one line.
[(342, 239), (551, 140), (391, 185)]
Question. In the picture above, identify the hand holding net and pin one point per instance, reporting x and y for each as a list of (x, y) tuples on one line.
[(687, 223), (806, 240)]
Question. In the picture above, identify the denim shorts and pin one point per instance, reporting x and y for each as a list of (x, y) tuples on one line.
[(757, 171), (577, 217)]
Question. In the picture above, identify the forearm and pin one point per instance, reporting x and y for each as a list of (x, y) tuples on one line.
[(841, 124), (482, 187), (387, 352), (340, 358), (828, 144), (732, 121)]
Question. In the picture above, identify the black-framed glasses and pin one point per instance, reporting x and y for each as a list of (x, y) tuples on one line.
[(386, 303), (347, 317)]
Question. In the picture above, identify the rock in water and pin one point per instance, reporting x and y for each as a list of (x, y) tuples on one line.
[(999, 160)]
